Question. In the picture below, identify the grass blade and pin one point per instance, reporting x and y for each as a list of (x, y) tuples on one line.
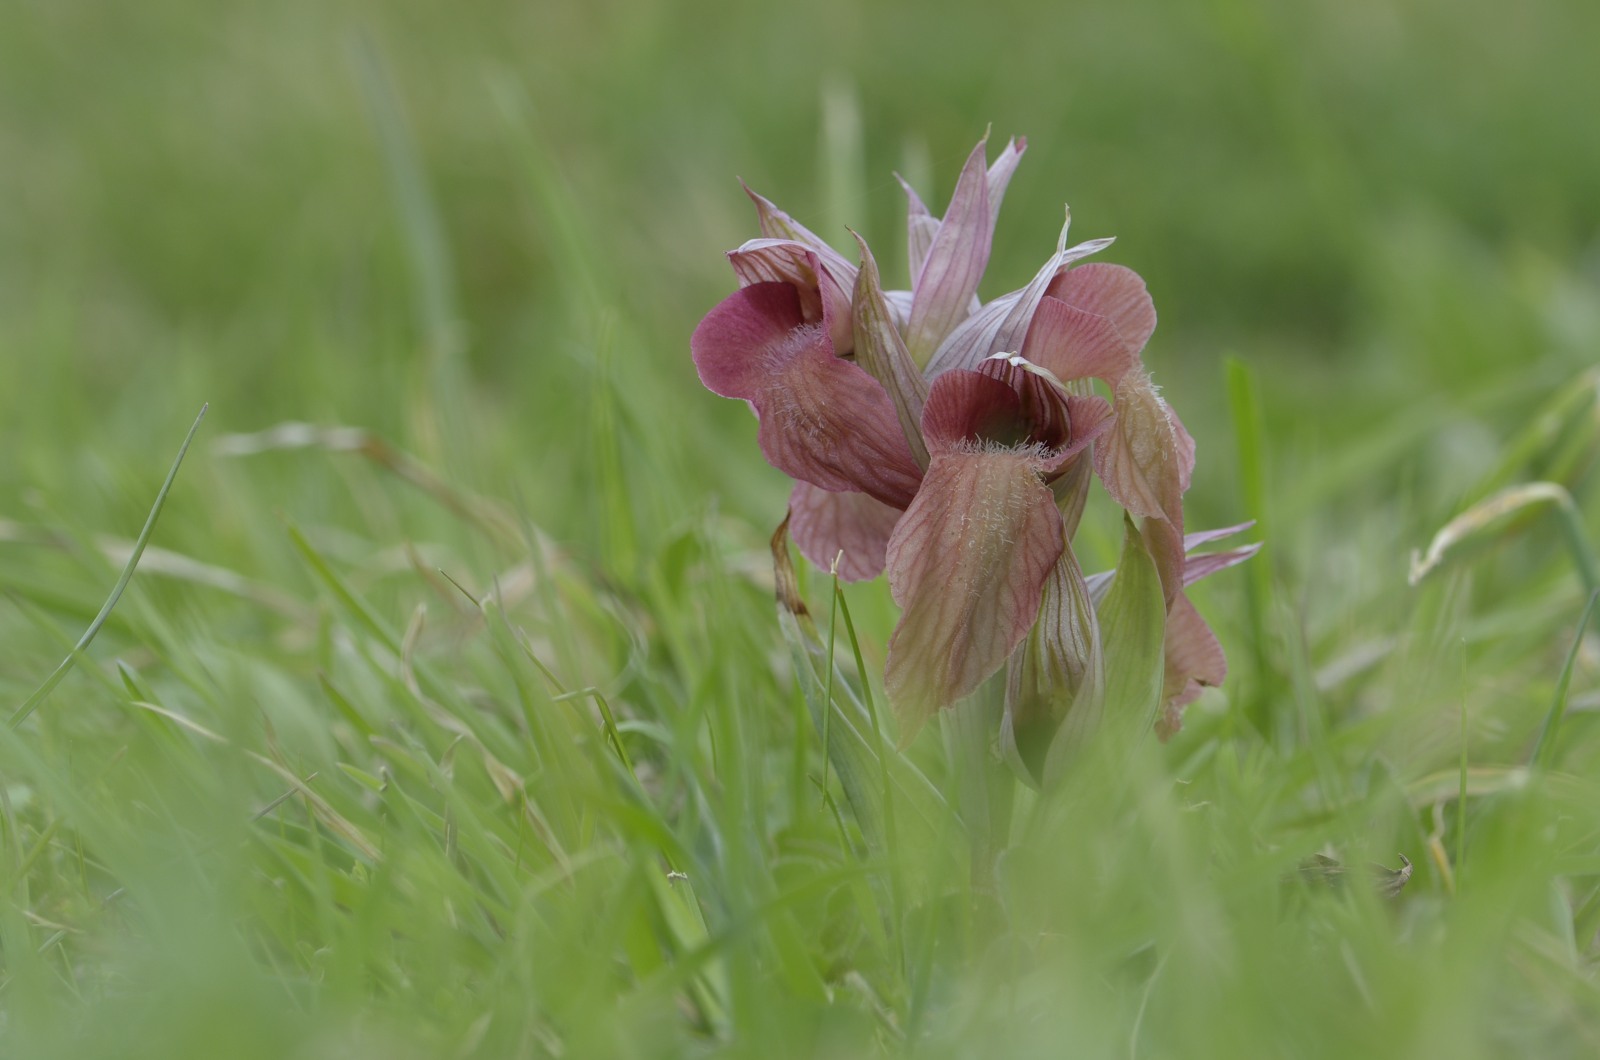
[(1544, 750), (44, 690)]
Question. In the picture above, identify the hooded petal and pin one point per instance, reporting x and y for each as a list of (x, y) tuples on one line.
[(967, 564), (1111, 291), (942, 294), (1062, 421), (823, 420), (775, 224), (822, 297), (825, 524), (1194, 660), (1042, 398), (965, 407), (1077, 344), (1002, 325)]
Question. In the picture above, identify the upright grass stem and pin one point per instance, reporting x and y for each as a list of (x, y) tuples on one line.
[(61, 671)]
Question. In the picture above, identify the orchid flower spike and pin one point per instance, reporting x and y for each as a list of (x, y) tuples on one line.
[(951, 442)]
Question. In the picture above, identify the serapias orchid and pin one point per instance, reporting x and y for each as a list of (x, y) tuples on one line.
[(951, 443)]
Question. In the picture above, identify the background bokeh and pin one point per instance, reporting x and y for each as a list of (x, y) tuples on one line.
[(287, 209), (484, 232)]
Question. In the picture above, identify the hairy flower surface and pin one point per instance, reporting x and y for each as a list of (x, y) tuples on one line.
[(951, 443)]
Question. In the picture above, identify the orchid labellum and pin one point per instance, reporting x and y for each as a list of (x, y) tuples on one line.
[(951, 443)]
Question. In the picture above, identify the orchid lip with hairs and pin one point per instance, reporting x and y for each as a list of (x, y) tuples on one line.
[(951, 444)]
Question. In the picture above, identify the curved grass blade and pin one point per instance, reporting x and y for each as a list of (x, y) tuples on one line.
[(1490, 519), (44, 690)]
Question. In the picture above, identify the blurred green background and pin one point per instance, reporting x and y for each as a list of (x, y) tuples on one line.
[(1383, 206), (484, 232)]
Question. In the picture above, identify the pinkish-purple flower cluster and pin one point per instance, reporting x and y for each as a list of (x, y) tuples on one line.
[(952, 443)]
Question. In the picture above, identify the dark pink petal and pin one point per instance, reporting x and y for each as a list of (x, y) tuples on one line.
[(1021, 406), (821, 295), (1001, 326), (881, 351), (967, 564), (730, 344), (823, 420), (966, 407), (775, 224), (1111, 291), (1042, 398), (1194, 659), (1077, 344), (942, 293), (825, 524)]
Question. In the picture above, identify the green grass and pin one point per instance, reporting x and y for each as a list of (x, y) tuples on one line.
[(461, 723)]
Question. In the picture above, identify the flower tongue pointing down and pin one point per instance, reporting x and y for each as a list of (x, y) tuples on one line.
[(944, 440), (969, 559)]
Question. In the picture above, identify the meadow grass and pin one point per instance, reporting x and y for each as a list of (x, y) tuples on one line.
[(448, 711)]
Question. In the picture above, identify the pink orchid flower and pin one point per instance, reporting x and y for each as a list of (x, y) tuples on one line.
[(946, 440)]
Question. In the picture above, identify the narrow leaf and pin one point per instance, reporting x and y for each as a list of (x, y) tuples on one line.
[(128, 568)]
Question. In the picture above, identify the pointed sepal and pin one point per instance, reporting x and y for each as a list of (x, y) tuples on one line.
[(882, 352)]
